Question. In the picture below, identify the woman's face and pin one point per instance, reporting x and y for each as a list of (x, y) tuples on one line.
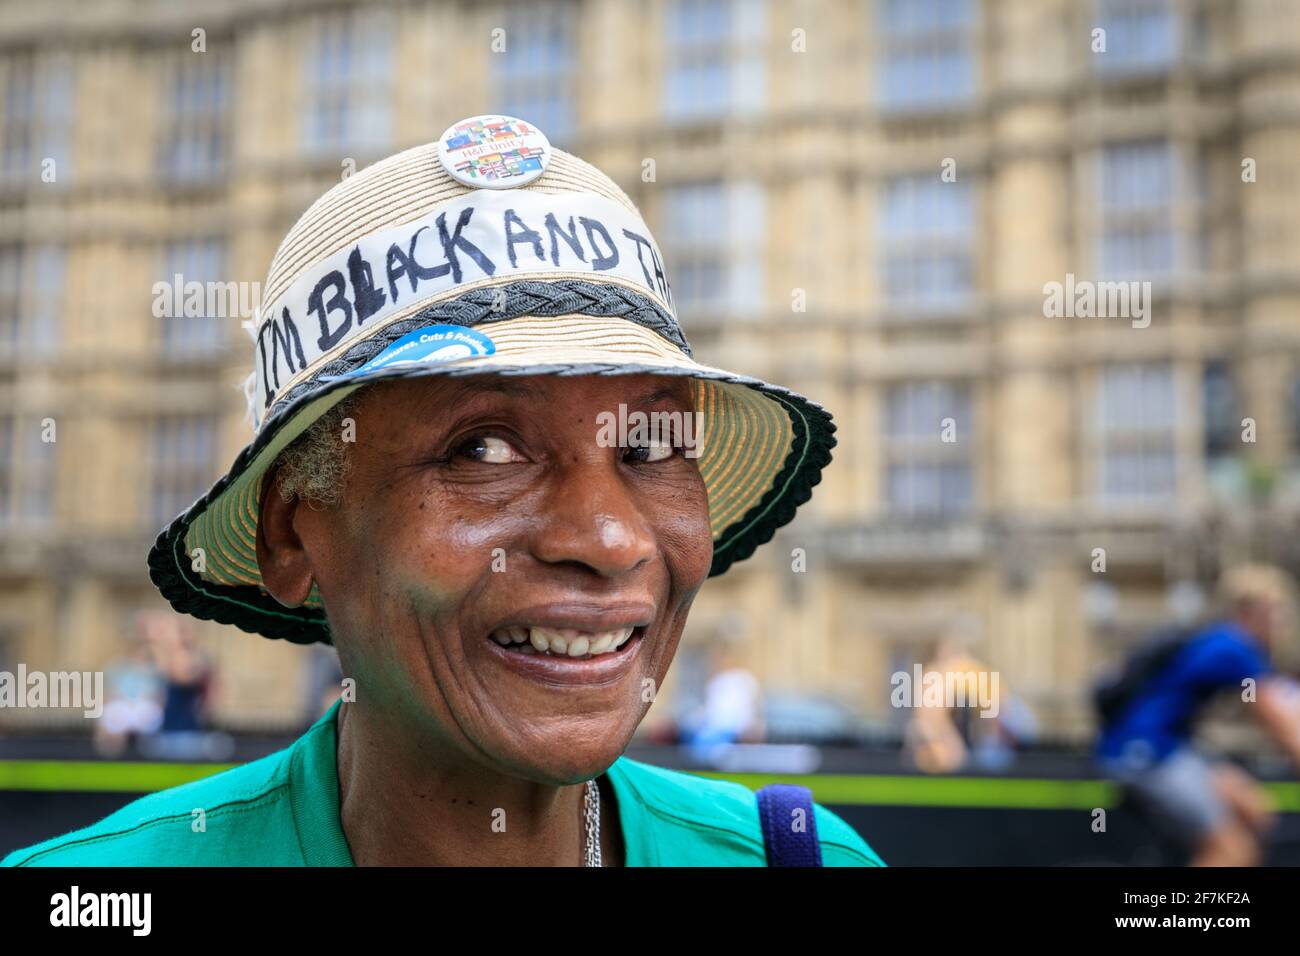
[(481, 519)]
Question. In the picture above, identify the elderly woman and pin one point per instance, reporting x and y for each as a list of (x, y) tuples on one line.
[(488, 471)]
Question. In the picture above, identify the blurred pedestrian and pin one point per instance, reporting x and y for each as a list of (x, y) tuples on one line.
[(134, 690), (1215, 809), (187, 680), (732, 711), (945, 736)]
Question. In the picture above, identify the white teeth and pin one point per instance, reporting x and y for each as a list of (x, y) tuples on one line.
[(562, 642)]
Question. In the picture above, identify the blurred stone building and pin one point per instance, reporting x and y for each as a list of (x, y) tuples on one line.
[(863, 199)]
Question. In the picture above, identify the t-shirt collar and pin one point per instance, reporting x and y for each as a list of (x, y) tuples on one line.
[(314, 796)]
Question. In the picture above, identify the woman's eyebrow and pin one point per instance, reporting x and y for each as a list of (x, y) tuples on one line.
[(663, 393), (506, 386), (476, 391)]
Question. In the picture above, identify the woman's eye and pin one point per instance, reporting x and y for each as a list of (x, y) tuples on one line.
[(651, 452), (489, 449)]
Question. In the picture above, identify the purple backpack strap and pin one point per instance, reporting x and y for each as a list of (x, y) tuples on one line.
[(787, 843)]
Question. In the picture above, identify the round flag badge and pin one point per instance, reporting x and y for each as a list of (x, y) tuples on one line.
[(494, 152)]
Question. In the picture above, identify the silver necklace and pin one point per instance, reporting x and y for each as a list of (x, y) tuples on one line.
[(591, 815)]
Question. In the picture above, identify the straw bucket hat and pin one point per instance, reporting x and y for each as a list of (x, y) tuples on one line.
[(488, 251)]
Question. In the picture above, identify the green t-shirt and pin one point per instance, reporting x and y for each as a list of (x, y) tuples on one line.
[(283, 810)]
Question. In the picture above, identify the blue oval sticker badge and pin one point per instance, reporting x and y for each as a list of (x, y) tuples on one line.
[(430, 345)]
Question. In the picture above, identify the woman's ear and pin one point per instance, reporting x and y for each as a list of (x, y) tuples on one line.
[(286, 568)]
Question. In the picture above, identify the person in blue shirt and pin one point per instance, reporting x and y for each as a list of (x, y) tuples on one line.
[(1215, 809)]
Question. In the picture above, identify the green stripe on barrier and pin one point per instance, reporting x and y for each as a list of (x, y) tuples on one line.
[(994, 792), (102, 776), (107, 776), (861, 789), (1286, 796)]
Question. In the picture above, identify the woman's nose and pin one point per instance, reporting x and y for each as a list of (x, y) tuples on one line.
[(593, 518)]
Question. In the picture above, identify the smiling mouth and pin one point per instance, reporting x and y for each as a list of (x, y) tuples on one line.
[(563, 642)]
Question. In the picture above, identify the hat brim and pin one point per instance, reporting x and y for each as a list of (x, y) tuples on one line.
[(763, 449)]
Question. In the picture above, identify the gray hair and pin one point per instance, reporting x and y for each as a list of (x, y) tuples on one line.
[(314, 466)]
